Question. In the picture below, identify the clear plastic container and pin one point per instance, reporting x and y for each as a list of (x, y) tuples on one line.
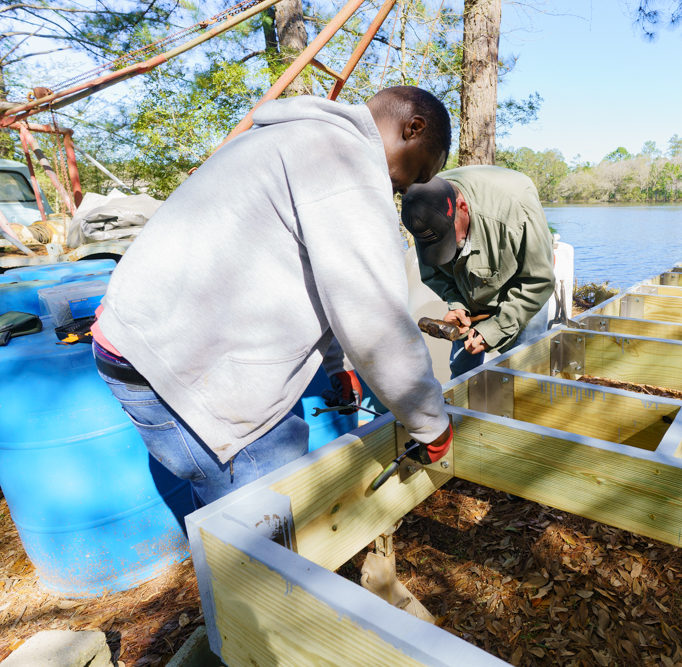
[(68, 301)]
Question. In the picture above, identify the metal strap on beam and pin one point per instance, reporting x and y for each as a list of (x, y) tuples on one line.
[(567, 353), (632, 306), (492, 392)]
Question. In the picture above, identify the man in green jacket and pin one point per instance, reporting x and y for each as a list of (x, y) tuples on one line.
[(484, 247)]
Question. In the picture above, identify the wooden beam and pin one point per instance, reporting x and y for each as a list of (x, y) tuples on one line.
[(658, 290), (595, 411), (273, 607), (334, 510), (635, 327), (634, 359), (619, 485)]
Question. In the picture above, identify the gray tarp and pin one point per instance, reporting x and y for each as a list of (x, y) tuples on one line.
[(114, 216)]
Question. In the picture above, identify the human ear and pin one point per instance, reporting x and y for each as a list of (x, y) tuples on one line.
[(414, 127)]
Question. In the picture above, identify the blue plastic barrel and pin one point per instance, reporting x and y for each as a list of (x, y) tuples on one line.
[(94, 511), (62, 271), (329, 425)]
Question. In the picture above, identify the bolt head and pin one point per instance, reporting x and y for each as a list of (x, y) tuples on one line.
[(444, 464), (505, 380)]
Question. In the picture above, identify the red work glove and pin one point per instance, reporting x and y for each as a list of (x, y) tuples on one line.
[(433, 451), (347, 391)]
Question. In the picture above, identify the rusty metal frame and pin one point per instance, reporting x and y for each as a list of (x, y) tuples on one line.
[(307, 57), (62, 98)]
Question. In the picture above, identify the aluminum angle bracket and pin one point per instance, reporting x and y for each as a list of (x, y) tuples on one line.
[(632, 306), (567, 353), (492, 392)]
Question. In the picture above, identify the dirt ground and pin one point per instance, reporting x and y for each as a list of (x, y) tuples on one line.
[(530, 584), (537, 586), (144, 626)]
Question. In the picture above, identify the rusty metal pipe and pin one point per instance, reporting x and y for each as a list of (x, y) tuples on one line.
[(34, 180), (360, 49), (73, 169), (47, 168), (297, 66), (106, 80)]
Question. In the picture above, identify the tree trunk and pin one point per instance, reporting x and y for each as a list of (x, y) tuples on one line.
[(479, 81), (292, 40), (271, 50)]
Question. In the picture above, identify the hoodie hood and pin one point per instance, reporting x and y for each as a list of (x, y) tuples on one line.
[(353, 118)]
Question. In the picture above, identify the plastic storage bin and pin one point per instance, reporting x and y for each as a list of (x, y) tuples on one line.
[(70, 300)]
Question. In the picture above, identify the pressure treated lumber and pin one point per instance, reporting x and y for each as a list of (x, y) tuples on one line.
[(614, 484), (273, 607), (657, 290), (661, 308), (635, 327), (611, 355), (634, 359), (336, 514), (595, 411)]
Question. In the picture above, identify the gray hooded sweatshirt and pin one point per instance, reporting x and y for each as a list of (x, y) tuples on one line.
[(286, 237)]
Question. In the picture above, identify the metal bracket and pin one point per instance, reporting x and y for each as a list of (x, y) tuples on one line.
[(632, 306), (646, 289), (492, 392), (407, 466), (567, 353), (596, 323)]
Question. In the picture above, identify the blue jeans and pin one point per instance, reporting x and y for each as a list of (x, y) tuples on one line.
[(462, 362), (173, 443)]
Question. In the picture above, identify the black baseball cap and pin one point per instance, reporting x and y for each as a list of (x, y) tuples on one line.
[(428, 213)]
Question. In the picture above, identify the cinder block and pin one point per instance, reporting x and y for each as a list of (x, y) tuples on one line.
[(196, 652), (62, 648)]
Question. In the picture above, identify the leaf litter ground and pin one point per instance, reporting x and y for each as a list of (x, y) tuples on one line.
[(537, 586), (528, 583), (143, 626)]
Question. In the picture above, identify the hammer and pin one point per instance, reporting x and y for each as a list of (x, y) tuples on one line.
[(440, 329)]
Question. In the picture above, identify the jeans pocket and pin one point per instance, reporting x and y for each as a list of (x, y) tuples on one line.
[(166, 442)]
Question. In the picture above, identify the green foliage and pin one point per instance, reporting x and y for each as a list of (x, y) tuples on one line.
[(163, 124), (650, 150), (546, 168), (620, 153), (619, 177), (675, 146)]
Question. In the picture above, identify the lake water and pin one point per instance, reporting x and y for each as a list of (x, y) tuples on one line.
[(621, 244)]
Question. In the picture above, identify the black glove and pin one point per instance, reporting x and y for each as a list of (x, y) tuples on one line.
[(346, 390)]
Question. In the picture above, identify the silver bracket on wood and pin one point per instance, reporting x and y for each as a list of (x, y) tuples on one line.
[(493, 393), (567, 353), (407, 466), (646, 289), (595, 323), (632, 306)]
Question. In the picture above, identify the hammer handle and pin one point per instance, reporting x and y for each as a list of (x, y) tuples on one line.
[(441, 329)]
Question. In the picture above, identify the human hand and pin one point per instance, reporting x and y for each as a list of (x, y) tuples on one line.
[(347, 390), (433, 451), (458, 318), (475, 343)]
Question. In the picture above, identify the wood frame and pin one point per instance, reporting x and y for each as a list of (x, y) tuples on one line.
[(264, 555)]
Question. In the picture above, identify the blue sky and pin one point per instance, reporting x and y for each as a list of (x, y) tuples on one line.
[(603, 84)]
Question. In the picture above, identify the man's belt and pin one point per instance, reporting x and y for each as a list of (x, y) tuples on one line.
[(121, 371)]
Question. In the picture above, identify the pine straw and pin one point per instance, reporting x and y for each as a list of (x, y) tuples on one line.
[(648, 389), (144, 626), (537, 586)]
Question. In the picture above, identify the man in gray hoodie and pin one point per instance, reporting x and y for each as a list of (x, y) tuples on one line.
[(283, 242)]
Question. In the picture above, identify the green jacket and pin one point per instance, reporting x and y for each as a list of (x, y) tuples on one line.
[(509, 270)]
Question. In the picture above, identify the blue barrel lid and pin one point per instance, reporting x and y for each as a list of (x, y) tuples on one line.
[(61, 271)]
